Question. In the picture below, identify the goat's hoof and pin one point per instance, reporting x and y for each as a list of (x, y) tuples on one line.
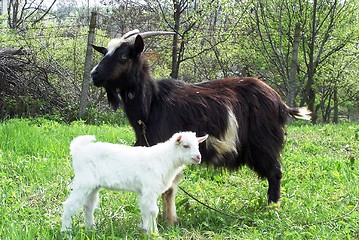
[(173, 221), (273, 205)]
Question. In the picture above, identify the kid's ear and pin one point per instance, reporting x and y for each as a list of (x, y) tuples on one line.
[(179, 139), (99, 49)]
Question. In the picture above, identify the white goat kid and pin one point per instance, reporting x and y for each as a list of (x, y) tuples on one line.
[(147, 171)]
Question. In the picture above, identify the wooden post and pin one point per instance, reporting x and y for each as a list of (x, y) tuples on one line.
[(87, 68), (4, 6)]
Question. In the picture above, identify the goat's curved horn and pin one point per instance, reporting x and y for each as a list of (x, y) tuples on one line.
[(155, 33), (131, 33)]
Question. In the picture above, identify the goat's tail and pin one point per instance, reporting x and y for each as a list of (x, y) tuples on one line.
[(300, 113), (80, 142)]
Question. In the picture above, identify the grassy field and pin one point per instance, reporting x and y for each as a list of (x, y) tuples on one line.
[(320, 189)]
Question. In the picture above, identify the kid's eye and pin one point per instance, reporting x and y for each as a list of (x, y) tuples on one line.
[(185, 145)]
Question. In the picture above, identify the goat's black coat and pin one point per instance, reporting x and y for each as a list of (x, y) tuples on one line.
[(167, 106)]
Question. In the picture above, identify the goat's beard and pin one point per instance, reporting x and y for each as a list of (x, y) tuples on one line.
[(99, 82), (113, 98)]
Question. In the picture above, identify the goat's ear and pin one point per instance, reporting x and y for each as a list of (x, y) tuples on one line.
[(202, 139), (99, 49), (179, 139), (138, 45)]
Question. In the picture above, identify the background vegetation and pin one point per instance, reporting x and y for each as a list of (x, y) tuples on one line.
[(306, 50), (319, 190)]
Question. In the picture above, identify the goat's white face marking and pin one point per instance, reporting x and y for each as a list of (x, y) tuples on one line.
[(113, 45), (229, 142), (93, 69)]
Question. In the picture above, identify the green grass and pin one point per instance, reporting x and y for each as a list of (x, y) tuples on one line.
[(320, 189)]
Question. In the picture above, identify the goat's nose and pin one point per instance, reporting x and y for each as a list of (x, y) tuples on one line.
[(94, 71), (198, 157)]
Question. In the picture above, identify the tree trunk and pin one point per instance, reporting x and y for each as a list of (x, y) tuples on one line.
[(294, 66), (311, 103), (177, 18), (308, 96), (87, 68), (336, 107)]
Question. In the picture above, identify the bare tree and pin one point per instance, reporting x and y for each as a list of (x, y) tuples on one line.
[(318, 46), (278, 43), (24, 11), (320, 22), (126, 15), (184, 18)]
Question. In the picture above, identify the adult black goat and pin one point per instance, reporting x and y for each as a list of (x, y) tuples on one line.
[(244, 117)]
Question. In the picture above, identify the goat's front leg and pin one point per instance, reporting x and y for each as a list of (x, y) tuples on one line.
[(168, 200)]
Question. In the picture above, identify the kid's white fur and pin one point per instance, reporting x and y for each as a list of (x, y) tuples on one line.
[(147, 171)]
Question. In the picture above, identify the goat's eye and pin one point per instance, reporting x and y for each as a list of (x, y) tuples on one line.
[(123, 58), (185, 145)]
